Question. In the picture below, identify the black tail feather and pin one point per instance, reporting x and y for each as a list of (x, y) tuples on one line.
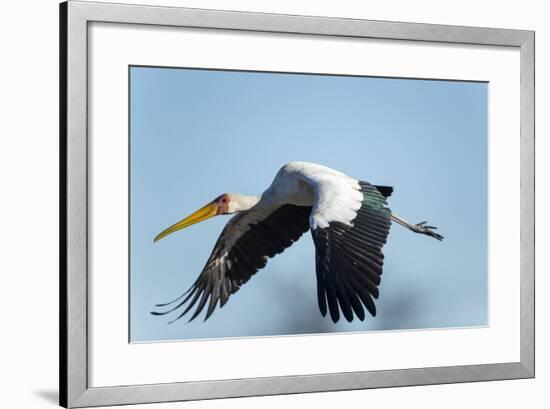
[(386, 191)]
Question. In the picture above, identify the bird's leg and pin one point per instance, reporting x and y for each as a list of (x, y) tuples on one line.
[(421, 227)]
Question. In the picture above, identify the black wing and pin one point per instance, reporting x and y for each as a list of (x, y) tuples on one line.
[(349, 259), (233, 262)]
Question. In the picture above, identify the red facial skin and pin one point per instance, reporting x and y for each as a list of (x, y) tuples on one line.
[(223, 204)]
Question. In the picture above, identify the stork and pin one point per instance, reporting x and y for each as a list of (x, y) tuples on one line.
[(349, 221)]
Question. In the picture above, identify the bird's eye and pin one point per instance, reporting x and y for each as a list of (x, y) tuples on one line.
[(224, 200)]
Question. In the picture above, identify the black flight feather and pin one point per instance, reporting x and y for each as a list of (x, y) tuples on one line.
[(349, 259)]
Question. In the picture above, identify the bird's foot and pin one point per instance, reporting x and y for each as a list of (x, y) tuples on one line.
[(423, 228)]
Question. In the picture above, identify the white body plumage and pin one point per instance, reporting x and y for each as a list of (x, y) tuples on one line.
[(333, 195)]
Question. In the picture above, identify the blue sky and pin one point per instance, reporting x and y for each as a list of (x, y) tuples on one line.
[(198, 133)]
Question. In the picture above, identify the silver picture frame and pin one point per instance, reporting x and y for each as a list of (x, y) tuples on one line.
[(75, 16)]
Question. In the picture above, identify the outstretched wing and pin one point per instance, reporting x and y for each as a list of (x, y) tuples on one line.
[(243, 248), (349, 257)]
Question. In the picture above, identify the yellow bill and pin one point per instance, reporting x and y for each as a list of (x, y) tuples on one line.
[(204, 213)]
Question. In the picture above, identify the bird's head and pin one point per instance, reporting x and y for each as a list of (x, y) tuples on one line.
[(226, 203)]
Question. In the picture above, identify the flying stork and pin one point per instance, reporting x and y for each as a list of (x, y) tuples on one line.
[(349, 221)]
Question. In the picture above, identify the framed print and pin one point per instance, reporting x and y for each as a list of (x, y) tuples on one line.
[(258, 204)]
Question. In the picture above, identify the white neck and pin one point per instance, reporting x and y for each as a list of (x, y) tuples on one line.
[(241, 203)]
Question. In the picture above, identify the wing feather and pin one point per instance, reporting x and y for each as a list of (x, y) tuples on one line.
[(234, 260), (349, 257)]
